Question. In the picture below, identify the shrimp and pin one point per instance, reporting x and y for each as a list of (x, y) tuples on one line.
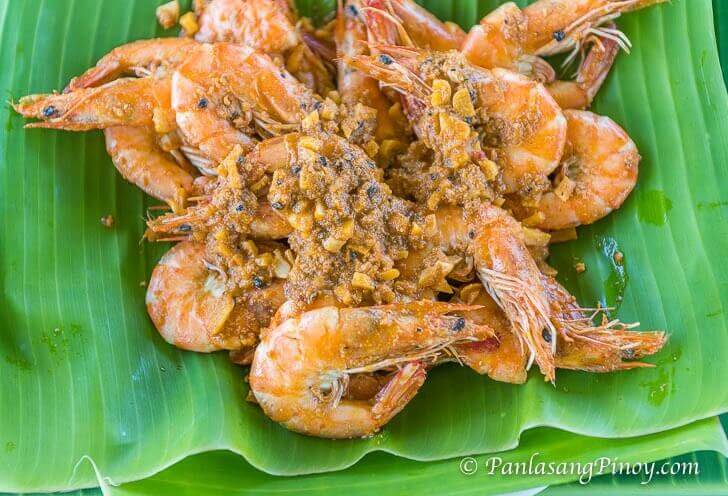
[(354, 86), (516, 117), (123, 102), (598, 172), (192, 309), (262, 24), (596, 348), (583, 346), (222, 87), (139, 159), (159, 56), (501, 40), (501, 357), (301, 368), (509, 36), (268, 26)]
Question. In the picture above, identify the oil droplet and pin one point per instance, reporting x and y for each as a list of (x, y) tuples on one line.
[(659, 388), (616, 283), (653, 206)]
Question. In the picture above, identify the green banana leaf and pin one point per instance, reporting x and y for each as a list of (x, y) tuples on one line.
[(83, 373), (223, 472), (226, 473)]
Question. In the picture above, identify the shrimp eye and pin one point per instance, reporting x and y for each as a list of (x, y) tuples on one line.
[(372, 190), (185, 228), (258, 282), (559, 35), (353, 10), (386, 59), (276, 205), (546, 335), (459, 325), (202, 103), (49, 111)]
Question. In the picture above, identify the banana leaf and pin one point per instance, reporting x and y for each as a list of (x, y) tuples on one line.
[(84, 376), (225, 473)]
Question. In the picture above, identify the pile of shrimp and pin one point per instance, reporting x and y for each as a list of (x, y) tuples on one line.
[(356, 203)]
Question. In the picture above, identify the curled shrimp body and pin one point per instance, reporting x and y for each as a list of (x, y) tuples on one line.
[(222, 87), (123, 102), (422, 26), (268, 26), (192, 309), (492, 239), (261, 24), (520, 121), (526, 125), (301, 368), (598, 171), (139, 159), (140, 58), (509, 36), (501, 357)]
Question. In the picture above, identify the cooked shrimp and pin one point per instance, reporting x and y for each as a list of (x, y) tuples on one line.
[(141, 161), (520, 120), (159, 56), (583, 346), (301, 368), (221, 87), (123, 102), (492, 239), (500, 40), (603, 347), (501, 357), (590, 76), (509, 36), (598, 171), (265, 25), (525, 125), (354, 86), (192, 309), (422, 26), (268, 26)]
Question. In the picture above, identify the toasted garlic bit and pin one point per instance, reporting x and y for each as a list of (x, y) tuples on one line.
[(107, 221), (389, 275), (462, 103), (168, 14), (441, 92), (362, 281), (580, 267), (535, 237), (189, 23), (565, 188), (333, 244)]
